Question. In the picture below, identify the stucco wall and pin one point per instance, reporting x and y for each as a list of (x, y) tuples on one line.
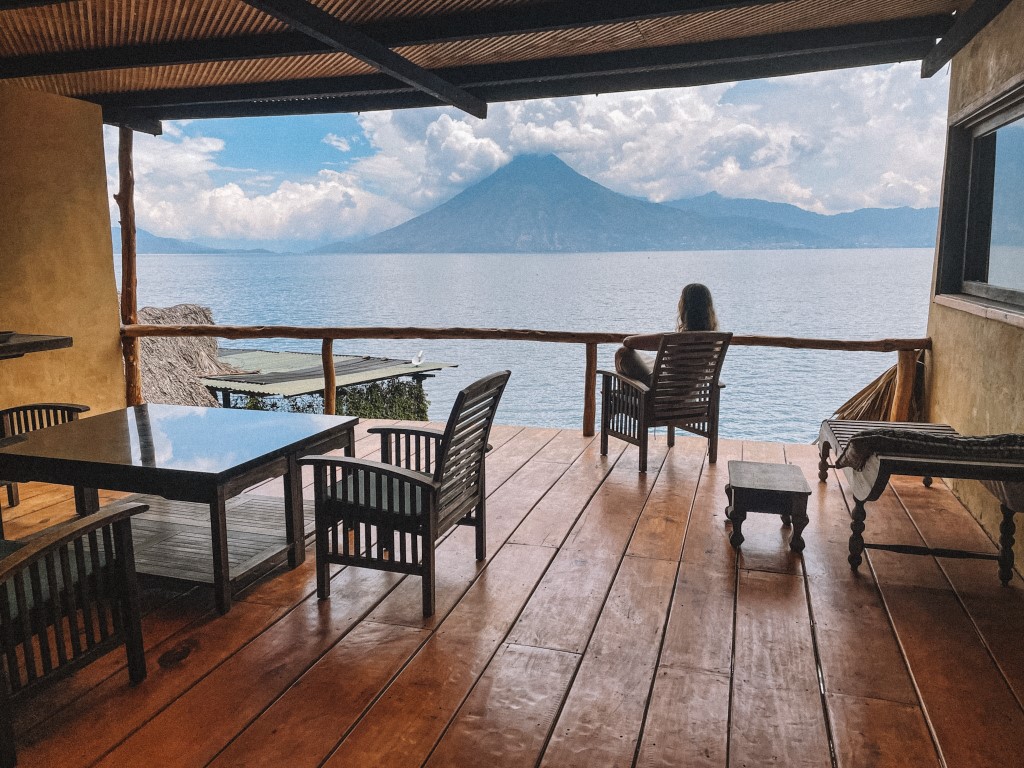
[(56, 267), (976, 368)]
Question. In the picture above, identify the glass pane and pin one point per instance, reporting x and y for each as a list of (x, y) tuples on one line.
[(1006, 254)]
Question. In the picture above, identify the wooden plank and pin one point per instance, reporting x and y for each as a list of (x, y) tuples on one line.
[(219, 706), (707, 538), (661, 528), (933, 629), (158, 625), (456, 565), (602, 715), (430, 689), (554, 515), (997, 612), (303, 726), (97, 722), (508, 716), (562, 613), (777, 714), (881, 734), (688, 720), (845, 606)]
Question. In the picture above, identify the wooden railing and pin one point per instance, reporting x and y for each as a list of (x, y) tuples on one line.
[(908, 350)]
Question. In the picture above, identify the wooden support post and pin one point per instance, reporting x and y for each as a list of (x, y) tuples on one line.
[(906, 374), (125, 199), (330, 385), (590, 391)]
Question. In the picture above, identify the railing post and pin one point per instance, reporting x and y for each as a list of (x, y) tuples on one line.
[(125, 199), (590, 391), (906, 374), (330, 385)]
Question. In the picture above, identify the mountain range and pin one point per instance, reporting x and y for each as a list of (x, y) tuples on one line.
[(537, 203)]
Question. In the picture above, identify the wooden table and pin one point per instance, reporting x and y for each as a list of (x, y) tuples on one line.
[(22, 343), (775, 489), (204, 455)]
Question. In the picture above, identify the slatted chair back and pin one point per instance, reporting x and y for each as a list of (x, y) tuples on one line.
[(459, 470), (28, 418), (66, 598), (684, 385)]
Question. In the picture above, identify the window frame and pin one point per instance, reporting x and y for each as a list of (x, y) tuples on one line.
[(966, 217)]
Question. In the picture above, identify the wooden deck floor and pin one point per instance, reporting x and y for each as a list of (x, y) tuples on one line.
[(611, 625)]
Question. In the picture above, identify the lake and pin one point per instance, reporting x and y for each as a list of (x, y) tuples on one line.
[(772, 394)]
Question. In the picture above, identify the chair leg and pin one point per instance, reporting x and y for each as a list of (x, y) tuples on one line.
[(643, 449), (428, 578), (8, 755), (604, 427), (671, 436), (323, 576), (1007, 529), (481, 530), (13, 499)]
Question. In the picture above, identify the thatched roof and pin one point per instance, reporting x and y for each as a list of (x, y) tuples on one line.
[(172, 367)]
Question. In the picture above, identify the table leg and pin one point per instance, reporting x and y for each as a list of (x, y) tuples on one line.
[(350, 449), (856, 539), (221, 566), (294, 523), (1006, 531), (823, 462), (800, 520), (87, 500)]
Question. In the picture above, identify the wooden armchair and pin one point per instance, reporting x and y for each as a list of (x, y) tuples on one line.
[(684, 393), (389, 514), (29, 418), (67, 597)]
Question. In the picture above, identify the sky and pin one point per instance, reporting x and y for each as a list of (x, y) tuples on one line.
[(828, 142)]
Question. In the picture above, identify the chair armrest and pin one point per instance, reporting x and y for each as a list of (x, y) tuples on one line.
[(415, 431), (633, 383), (63, 534), (373, 467)]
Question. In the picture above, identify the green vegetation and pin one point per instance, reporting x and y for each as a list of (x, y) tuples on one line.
[(391, 399)]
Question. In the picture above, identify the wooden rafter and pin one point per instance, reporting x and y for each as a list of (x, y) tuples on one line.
[(690, 64), (306, 18), (968, 24), (515, 20)]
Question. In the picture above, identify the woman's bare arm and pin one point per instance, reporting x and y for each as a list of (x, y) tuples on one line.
[(649, 342)]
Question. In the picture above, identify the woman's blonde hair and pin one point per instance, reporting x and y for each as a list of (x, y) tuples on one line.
[(696, 309)]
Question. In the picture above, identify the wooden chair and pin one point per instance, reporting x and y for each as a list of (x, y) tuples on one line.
[(67, 597), (28, 418), (684, 394), (389, 514)]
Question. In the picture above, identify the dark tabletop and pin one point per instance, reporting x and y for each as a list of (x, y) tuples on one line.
[(22, 343), (206, 441), (780, 478)]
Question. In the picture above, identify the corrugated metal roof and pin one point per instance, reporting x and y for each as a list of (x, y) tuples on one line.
[(131, 28), (289, 374)]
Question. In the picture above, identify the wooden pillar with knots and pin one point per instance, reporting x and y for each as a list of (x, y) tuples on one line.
[(125, 199)]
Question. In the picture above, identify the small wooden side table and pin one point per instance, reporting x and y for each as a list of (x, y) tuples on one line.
[(776, 489)]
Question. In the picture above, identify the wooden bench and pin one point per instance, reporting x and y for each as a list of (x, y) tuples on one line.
[(775, 489), (835, 435)]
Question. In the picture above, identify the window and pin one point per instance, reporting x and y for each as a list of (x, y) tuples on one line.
[(981, 247)]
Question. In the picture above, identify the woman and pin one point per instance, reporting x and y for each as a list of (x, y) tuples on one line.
[(696, 313)]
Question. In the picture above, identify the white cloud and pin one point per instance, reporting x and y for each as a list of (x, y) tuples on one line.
[(828, 141), (338, 142)]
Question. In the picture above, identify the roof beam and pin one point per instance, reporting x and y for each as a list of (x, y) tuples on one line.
[(17, 5), (881, 53), (967, 24), (305, 17), (668, 66), (514, 20)]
